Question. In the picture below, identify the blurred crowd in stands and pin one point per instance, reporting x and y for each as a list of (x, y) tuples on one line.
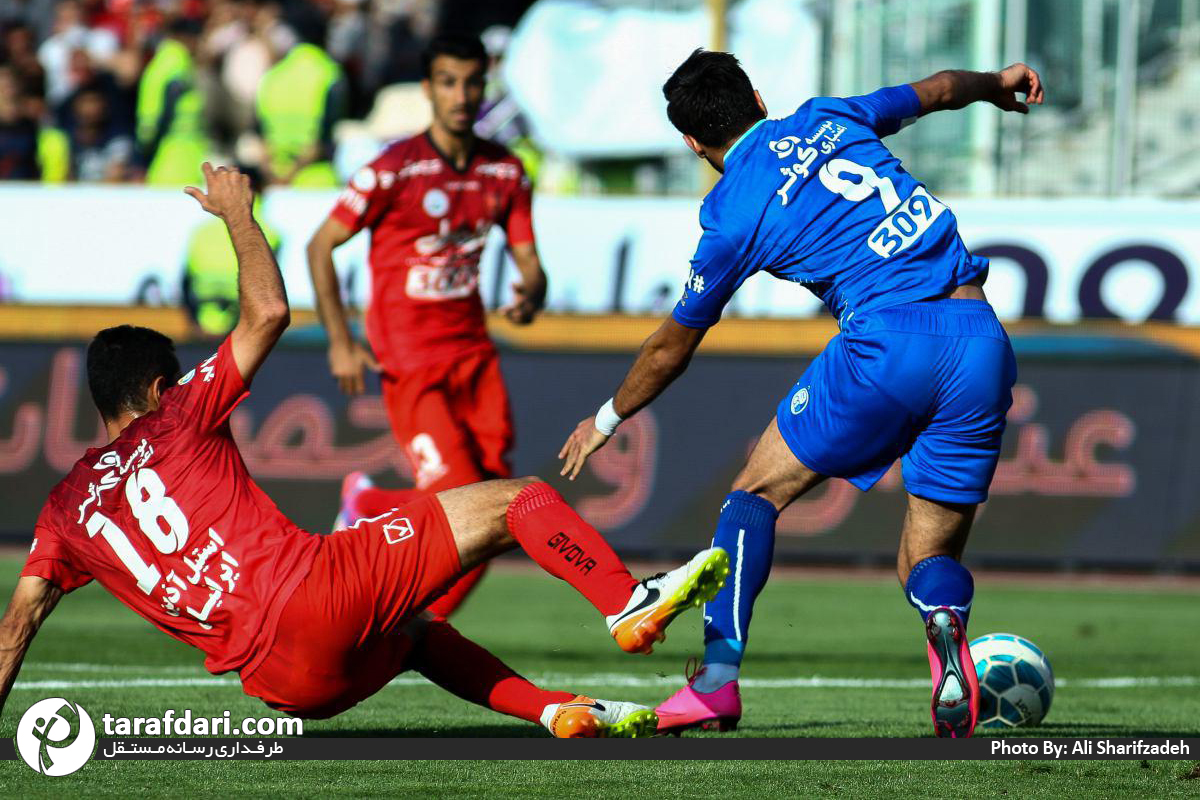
[(144, 90)]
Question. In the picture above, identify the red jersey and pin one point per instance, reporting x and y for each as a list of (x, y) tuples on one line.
[(429, 222), (169, 521)]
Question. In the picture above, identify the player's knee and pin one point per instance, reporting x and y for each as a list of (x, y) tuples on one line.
[(511, 488), (507, 492)]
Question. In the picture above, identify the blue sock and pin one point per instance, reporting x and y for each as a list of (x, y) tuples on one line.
[(940, 581), (746, 530)]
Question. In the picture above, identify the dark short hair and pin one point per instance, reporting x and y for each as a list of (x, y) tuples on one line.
[(123, 363), (710, 98), (307, 22), (455, 45), (184, 27)]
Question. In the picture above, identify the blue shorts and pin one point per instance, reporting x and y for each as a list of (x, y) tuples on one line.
[(928, 382)]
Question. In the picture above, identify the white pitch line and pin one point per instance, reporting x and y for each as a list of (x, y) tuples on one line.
[(634, 681), (127, 683), (75, 666)]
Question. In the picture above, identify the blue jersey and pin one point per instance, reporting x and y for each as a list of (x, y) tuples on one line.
[(817, 199)]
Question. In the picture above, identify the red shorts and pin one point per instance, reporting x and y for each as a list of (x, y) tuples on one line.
[(452, 419), (340, 637)]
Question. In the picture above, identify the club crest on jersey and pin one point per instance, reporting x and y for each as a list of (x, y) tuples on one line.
[(800, 400), (398, 530), (436, 203)]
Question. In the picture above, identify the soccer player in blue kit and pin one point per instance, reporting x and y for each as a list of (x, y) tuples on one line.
[(921, 369)]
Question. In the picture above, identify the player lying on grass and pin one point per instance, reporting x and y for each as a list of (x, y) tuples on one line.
[(169, 521), (922, 370)]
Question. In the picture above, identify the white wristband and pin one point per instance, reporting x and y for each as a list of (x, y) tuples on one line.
[(607, 418)]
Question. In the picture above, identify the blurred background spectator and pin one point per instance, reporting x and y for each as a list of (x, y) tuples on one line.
[(144, 90), (299, 100), (100, 148), (18, 133), (308, 90), (170, 109)]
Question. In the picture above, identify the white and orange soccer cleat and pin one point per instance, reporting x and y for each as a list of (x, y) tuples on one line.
[(585, 718), (658, 600)]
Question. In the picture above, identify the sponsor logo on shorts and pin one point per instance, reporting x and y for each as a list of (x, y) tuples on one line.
[(398, 530), (55, 737), (800, 400), (571, 552)]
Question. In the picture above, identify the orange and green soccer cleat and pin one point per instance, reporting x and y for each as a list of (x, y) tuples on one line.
[(658, 600), (585, 718)]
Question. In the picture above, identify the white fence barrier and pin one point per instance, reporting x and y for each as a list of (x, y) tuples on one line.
[(1061, 260)]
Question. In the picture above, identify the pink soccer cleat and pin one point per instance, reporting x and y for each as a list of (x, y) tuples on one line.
[(352, 486), (720, 710), (955, 704)]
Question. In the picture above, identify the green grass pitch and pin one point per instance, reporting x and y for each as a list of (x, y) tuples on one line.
[(830, 627)]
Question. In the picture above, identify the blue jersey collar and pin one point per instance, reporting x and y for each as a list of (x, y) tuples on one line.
[(733, 146)]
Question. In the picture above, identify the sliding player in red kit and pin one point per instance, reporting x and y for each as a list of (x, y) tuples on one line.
[(167, 519), (429, 202)]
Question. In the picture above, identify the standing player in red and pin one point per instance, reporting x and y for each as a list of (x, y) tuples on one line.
[(429, 202), (167, 519)]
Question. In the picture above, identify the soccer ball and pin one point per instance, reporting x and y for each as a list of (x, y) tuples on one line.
[(1016, 683)]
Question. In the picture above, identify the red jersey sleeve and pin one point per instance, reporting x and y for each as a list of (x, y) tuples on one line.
[(366, 198), (207, 395), (50, 558), (519, 225)]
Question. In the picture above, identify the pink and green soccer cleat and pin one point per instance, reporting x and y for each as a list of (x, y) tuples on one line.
[(955, 704), (352, 486), (720, 710)]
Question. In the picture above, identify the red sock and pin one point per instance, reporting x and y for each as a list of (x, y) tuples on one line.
[(564, 545), (462, 667), (448, 603), (375, 501)]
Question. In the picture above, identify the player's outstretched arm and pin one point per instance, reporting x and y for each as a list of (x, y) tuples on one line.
[(530, 294), (952, 89), (261, 297), (32, 601), (662, 359), (347, 357)]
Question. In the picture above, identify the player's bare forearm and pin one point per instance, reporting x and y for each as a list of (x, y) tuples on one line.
[(261, 294), (529, 296), (664, 356), (347, 358), (32, 602), (262, 300), (321, 269), (954, 89)]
